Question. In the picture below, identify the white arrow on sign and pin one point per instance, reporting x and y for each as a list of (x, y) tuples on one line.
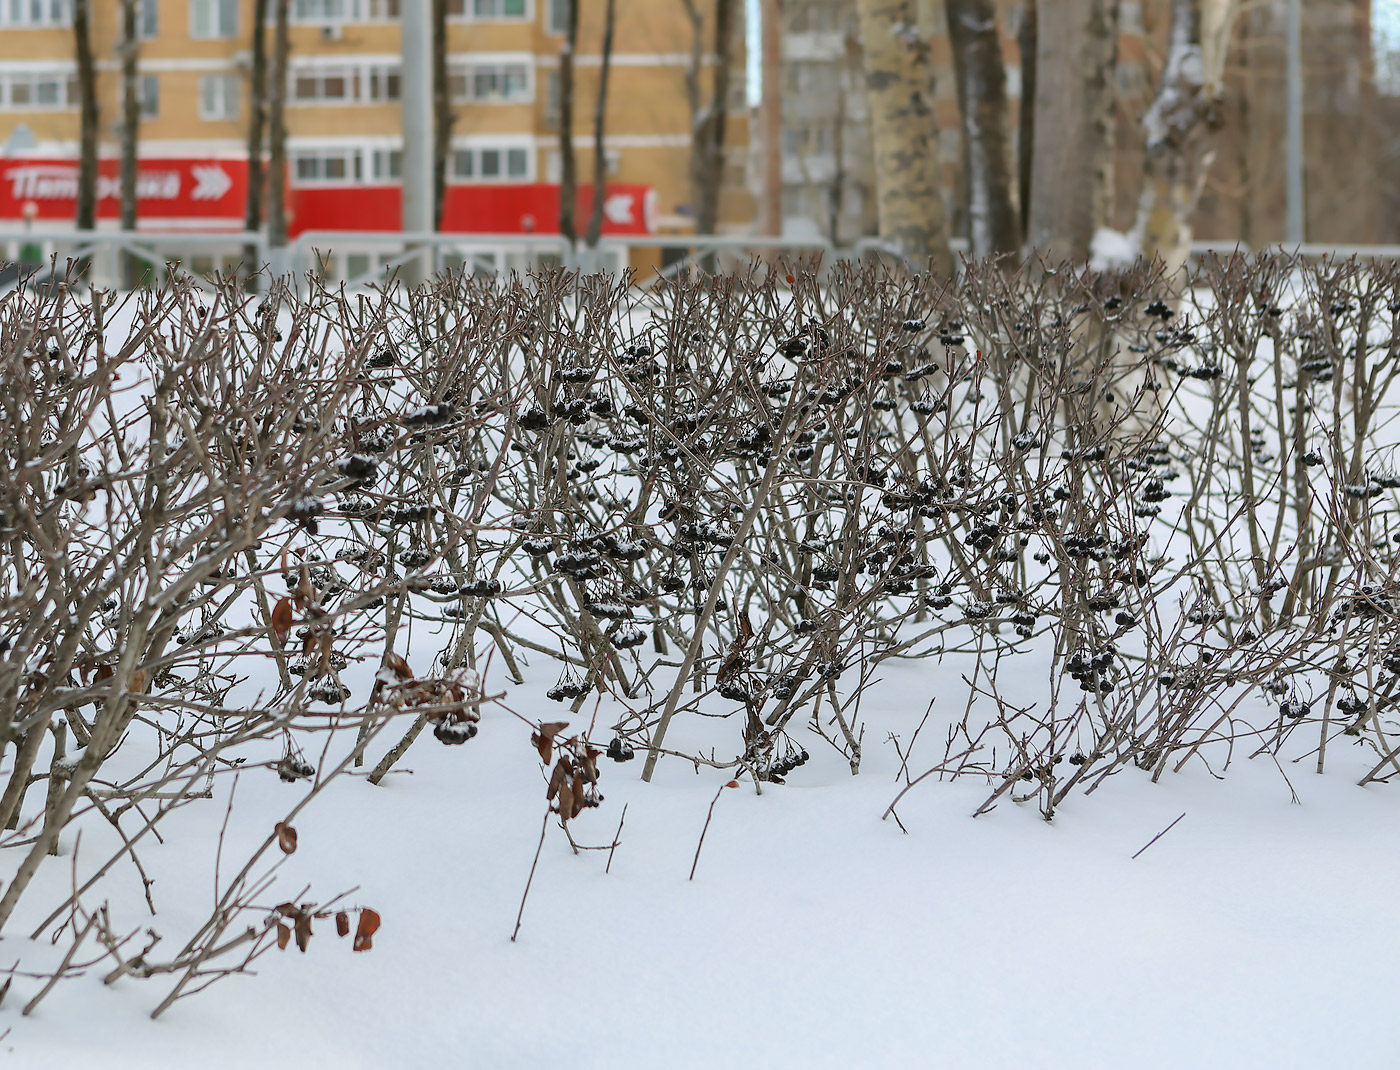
[(618, 208), (210, 182)]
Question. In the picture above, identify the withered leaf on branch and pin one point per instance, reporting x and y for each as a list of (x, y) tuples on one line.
[(284, 936), (287, 910), (559, 780), (342, 923), (580, 789), (365, 930), (394, 670), (303, 930), (543, 740), (282, 620), (286, 837)]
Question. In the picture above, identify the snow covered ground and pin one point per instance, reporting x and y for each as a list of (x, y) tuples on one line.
[(1257, 932)]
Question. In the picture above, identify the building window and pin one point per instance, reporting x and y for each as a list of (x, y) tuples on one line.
[(386, 165), (483, 83), (213, 18), (384, 83), (491, 163), (330, 11), (326, 85), (43, 91), (148, 19), (552, 103), (327, 167), (218, 96), (150, 96), (344, 84), (558, 16), (35, 14), (490, 9)]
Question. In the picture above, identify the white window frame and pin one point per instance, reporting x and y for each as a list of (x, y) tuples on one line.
[(350, 156), (225, 91), (67, 95), (148, 92), (469, 66), (556, 17), (474, 150), (36, 14), (219, 22), (363, 75), (467, 10), (148, 19), (341, 12)]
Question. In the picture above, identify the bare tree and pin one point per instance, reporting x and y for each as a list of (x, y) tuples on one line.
[(568, 165), (600, 115), (707, 119), (1025, 141), (257, 119), (1180, 124), (87, 97), (277, 133), (1075, 105), (981, 77), (443, 116), (130, 128), (898, 83)]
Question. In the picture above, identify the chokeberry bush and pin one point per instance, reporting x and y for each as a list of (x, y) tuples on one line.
[(1130, 524)]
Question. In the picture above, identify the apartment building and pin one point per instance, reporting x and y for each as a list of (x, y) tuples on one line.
[(344, 120)]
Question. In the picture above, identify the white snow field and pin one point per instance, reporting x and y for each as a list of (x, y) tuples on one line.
[(1259, 931)]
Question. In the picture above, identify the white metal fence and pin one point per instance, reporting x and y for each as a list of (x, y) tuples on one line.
[(361, 258)]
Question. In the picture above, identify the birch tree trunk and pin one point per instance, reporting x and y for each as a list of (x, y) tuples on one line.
[(1180, 125), (600, 119), (899, 88), (707, 119), (277, 132), (568, 165), (993, 218), (86, 217), (257, 118), (1075, 113), (443, 116), (130, 131)]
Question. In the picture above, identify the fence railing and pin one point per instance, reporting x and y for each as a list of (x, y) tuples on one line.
[(361, 258)]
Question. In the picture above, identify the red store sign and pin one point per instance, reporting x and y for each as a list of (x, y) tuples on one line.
[(214, 193)]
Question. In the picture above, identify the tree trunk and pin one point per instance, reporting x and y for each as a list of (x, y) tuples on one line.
[(257, 117), (707, 120), (1025, 140), (600, 116), (87, 97), (443, 117), (908, 186), (568, 165), (770, 121), (277, 133), (1075, 108), (130, 129), (1179, 127), (994, 222)]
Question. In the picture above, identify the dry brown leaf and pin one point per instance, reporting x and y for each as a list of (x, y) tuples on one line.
[(282, 620), (580, 789), (342, 924), (327, 642), (286, 837), (138, 680), (543, 740), (559, 780), (395, 668), (303, 930), (287, 910), (365, 930), (284, 936)]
